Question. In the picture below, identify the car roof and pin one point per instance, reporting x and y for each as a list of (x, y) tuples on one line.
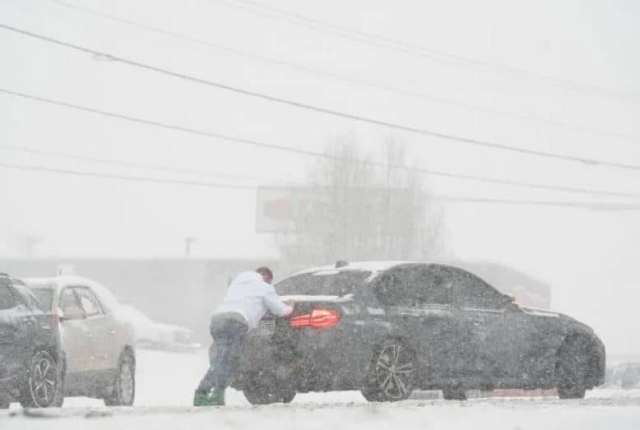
[(366, 266), (58, 281)]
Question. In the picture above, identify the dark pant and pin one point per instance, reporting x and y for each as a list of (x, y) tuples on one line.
[(228, 338)]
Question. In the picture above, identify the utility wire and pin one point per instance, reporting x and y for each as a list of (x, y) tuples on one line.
[(275, 99), (121, 163), (343, 78), (436, 55), (447, 199), (256, 143), (578, 205), (124, 177)]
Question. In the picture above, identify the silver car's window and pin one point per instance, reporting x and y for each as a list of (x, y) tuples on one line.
[(68, 299), (89, 302)]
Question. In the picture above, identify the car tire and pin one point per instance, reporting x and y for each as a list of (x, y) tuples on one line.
[(124, 385), (42, 387), (454, 394), (571, 368), (265, 389), (260, 395), (391, 373), (5, 402)]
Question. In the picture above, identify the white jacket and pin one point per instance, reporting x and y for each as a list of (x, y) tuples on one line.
[(251, 297)]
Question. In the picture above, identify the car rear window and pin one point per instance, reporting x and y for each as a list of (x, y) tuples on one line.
[(44, 296), (7, 300), (323, 283)]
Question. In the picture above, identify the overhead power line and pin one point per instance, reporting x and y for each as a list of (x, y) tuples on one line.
[(122, 163), (445, 199), (275, 99), (549, 203), (46, 169), (424, 52), (343, 78), (272, 146)]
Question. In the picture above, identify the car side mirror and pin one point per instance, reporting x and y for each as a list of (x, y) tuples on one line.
[(72, 313)]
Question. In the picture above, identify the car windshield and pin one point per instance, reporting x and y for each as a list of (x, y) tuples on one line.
[(322, 283), (44, 296)]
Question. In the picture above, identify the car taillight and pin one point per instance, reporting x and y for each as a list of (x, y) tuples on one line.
[(318, 318), (54, 318)]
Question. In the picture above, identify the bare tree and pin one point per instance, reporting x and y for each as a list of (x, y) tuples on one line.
[(355, 210)]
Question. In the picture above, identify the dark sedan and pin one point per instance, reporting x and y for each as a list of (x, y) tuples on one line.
[(389, 328), (29, 349)]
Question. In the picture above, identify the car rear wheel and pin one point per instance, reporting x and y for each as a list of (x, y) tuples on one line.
[(454, 394), (5, 403), (124, 387), (267, 397), (571, 369), (391, 373), (43, 382), (264, 394)]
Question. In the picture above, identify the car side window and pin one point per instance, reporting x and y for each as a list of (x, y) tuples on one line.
[(471, 291), (27, 298), (400, 287), (435, 285), (7, 299), (68, 300), (88, 301)]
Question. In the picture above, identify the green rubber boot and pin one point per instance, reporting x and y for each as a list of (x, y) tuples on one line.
[(202, 399), (217, 397)]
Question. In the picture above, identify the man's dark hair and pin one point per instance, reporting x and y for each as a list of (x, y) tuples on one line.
[(265, 272)]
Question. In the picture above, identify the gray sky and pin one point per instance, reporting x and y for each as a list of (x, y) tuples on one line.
[(590, 257)]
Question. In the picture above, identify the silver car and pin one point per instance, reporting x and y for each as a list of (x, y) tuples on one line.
[(97, 344)]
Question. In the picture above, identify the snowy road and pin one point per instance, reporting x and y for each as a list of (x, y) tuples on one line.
[(166, 382)]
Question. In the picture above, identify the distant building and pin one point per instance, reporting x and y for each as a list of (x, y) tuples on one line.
[(184, 291), (181, 291)]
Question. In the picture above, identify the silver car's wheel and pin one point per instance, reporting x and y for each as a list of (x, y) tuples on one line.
[(43, 382), (125, 383), (392, 373)]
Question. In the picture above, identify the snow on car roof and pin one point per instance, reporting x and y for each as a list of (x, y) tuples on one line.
[(367, 266), (57, 281), (108, 299)]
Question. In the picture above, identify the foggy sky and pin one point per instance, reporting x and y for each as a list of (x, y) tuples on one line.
[(590, 257)]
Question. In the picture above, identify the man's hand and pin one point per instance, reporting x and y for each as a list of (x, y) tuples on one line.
[(292, 304)]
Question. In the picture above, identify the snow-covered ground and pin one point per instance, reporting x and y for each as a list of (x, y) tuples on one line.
[(166, 382)]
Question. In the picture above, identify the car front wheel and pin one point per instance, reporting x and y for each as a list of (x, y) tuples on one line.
[(571, 370), (124, 387), (391, 373), (43, 382)]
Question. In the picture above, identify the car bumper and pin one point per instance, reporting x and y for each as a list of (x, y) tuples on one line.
[(307, 359)]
